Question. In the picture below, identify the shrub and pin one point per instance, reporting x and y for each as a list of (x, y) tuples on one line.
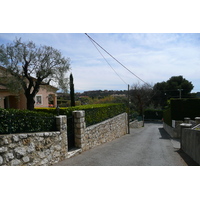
[(104, 111), (43, 119), (133, 115), (167, 116), (21, 121), (153, 114), (94, 113), (181, 108)]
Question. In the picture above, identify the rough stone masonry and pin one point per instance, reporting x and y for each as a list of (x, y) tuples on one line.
[(35, 149), (87, 138), (47, 148)]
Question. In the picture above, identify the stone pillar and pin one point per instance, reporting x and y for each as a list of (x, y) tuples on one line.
[(61, 124), (197, 120), (183, 125), (79, 127), (187, 120)]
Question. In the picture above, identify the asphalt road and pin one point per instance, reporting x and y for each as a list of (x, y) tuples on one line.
[(146, 146)]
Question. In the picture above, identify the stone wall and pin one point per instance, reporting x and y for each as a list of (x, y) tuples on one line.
[(48, 148), (35, 149), (190, 143), (106, 131), (136, 124), (174, 132)]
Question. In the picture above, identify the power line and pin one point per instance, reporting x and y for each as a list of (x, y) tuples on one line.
[(107, 61), (116, 59)]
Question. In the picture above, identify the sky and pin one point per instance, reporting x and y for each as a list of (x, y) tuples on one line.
[(153, 57)]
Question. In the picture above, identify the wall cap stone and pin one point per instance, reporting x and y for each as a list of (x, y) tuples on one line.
[(78, 113), (185, 125)]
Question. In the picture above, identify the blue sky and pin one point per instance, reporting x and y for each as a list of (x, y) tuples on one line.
[(154, 57)]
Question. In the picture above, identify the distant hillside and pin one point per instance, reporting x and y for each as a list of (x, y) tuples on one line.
[(102, 93)]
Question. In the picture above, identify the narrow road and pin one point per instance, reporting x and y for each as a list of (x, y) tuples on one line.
[(146, 146)]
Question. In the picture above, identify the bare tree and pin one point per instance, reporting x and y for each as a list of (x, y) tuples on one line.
[(33, 66), (140, 96)]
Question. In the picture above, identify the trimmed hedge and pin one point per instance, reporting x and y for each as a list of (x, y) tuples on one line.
[(22, 121), (98, 114), (94, 113), (167, 116), (153, 114), (181, 108), (43, 119)]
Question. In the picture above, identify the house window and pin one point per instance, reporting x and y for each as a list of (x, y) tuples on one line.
[(38, 99)]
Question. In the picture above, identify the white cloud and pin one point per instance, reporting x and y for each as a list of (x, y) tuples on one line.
[(152, 57)]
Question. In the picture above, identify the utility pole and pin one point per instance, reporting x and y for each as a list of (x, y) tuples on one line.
[(128, 110), (180, 92)]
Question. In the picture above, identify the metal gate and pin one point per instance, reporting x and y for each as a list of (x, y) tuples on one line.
[(70, 132)]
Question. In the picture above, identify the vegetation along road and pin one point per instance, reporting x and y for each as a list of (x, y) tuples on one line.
[(146, 146)]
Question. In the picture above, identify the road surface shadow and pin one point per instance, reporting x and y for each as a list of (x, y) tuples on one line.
[(188, 160), (164, 134)]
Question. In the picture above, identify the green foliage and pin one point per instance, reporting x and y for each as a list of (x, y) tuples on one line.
[(153, 114), (181, 108), (105, 111), (94, 113), (102, 100), (32, 66), (171, 89), (178, 82), (72, 96), (133, 115), (43, 119), (21, 121), (167, 116)]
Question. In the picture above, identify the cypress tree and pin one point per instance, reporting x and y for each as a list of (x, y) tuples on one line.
[(72, 90)]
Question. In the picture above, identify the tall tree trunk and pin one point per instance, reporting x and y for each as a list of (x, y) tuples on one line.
[(30, 93), (30, 102)]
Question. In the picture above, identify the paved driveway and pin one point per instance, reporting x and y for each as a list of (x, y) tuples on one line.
[(146, 146)]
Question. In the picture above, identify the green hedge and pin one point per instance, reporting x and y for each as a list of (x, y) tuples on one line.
[(181, 108), (94, 113), (22, 121), (105, 111), (153, 114), (167, 116)]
